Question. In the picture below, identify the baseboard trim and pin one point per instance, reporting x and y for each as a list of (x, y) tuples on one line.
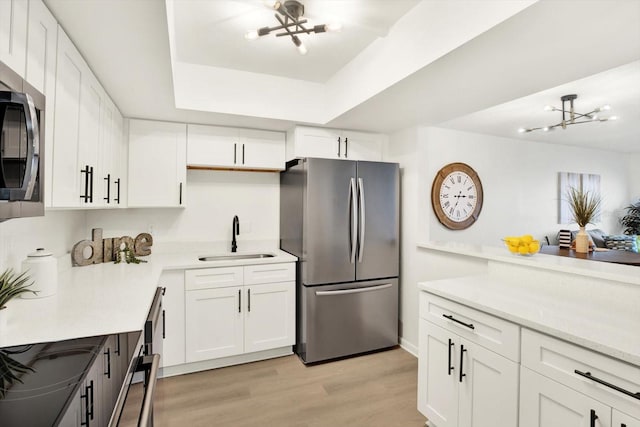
[(409, 347), (204, 365)]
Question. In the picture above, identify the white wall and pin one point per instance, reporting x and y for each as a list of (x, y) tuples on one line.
[(520, 196), (633, 162), (57, 232), (212, 199)]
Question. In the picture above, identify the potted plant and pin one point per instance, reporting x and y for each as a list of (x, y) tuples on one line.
[(631, 221), (584, 206), (11, 285)]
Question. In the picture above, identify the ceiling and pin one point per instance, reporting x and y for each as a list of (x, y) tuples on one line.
[(477, 66), (212, 33)]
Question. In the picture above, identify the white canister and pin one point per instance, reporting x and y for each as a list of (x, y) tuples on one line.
[(42, 267)]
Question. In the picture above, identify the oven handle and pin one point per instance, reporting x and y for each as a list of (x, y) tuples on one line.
[(152, 363), (353, 291)]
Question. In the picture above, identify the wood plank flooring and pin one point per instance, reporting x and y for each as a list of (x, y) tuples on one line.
[(376, 390)]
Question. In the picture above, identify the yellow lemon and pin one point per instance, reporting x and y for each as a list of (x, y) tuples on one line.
[(513, 248), (534, 247), (523, 250), (527, 238)]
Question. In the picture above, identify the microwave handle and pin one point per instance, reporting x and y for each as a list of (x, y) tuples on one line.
[(150, 365)]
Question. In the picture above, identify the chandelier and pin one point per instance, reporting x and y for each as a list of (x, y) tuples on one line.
[(289, 16), (572, 117)]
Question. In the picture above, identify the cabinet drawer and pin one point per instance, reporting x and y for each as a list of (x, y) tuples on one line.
[(211, 278), (491, 332), (269, 273), (559, 360)]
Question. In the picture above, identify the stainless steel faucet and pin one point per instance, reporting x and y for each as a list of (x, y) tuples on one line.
[(235, 230)]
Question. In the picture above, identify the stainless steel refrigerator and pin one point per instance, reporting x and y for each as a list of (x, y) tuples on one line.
[(341, 219)]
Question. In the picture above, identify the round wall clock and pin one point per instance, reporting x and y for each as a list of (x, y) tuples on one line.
[(456, 196)]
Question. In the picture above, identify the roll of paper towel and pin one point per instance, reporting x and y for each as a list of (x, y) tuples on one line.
[(42, 267)]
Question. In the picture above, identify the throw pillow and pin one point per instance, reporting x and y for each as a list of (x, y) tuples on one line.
[(622, 242)]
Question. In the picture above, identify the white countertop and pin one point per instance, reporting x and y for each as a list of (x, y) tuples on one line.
[(110, 298), (581, 319), (600, 270)]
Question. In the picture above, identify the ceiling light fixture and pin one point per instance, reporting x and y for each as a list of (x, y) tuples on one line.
[(571, 117), (289, 16)]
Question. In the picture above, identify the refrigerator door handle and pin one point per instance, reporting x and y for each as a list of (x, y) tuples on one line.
[(362, 224), (353, 291), (354, 220)]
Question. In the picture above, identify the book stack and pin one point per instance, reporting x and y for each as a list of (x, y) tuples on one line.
[(564, 239)]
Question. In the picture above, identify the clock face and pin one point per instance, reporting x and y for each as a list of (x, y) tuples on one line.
[(456, 196)]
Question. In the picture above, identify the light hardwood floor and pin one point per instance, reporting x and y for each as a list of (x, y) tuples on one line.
[(376, 390)]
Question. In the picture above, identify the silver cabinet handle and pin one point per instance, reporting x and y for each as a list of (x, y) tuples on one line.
[(362, 215), (354, 291), (354, 220), (147, 403)]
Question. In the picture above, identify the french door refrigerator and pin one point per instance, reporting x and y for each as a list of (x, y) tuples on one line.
[(341, 219)]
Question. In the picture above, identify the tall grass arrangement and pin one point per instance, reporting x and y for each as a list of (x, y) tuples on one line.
[(584, 205)]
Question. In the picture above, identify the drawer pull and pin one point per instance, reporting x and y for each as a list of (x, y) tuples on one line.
[(604, 383), (450, 368), (462, 350), (593, 418), (450, 317)]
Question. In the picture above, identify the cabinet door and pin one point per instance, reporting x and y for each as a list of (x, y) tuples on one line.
[(269, 316), (317, 142), (41, 73), (488, 391), (618, 419), (262, 150), (92, 99), (438, 375), (214, 323), (362, 146), (13, 34), (173, 301), (546, 403), (213, 146), (157, 164), (108, 379), (67, 178), (108, 153)]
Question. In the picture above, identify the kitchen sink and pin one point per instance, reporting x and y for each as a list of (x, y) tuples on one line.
[(235, 256)]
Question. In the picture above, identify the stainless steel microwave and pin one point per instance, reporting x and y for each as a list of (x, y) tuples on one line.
[(21, 147)]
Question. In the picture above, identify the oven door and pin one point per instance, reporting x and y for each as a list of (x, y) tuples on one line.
[(19, 146)]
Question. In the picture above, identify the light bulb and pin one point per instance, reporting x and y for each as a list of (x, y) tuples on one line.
[(522, 130), (548, 108), (272, 4), (251, 35), (302, 49), (333, 26), (613, 118), (594, 117), (546, 128), (605, 107)]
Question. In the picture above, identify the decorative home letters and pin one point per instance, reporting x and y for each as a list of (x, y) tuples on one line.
[(105, 250)]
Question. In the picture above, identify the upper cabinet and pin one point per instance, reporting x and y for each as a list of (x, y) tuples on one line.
[(157, 164), (42, 39), (214, 147), (13, 34), (87, 136), (305, 141)]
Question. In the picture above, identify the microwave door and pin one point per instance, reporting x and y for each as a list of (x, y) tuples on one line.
[(19, 146)]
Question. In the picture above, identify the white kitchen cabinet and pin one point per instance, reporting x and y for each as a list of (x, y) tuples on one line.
[(618, 419), (173, 350), (42, 39), (112, 160), (546, 403), (66, 174), (236, 310), (92, 103), (576, 371), (215, 323), (215, 147), (305, 141), (13, 34), (157, 164), (461, 382)]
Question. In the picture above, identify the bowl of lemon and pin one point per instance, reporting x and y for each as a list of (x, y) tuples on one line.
[(524, 245)]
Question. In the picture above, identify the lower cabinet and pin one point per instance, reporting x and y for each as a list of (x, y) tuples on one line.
[(235, 310), (618, 419), (461, 383), (173, 303), (545, 402)]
